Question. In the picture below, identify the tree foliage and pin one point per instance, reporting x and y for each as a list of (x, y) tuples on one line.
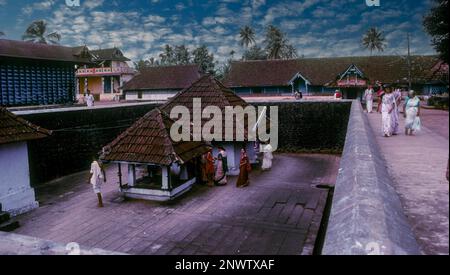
[(37, 32), (436, 24), (374, 39)]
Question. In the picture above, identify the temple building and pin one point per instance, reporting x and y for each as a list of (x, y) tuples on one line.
[(212, 92), (160, 83), (38, 74), (106, 76), (158, 168), (351, 75), (16, 194)]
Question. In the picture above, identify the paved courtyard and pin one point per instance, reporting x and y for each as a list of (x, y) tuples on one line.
[(418, 165), (279, 213)]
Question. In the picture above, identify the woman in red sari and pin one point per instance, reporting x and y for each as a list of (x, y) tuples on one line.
[(210, 168), (244, 169)]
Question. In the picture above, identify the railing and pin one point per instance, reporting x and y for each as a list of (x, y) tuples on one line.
[(105, 71)]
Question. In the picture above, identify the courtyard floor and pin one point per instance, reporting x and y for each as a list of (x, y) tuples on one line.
[(418, 165), (279, 213)]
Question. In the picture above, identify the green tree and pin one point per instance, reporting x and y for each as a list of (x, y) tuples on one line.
[(436, 24), (37, 32), (374, 40), (167, 57), (277, 45), (247, 36), (204, 59), (254, 53), (182, 55)]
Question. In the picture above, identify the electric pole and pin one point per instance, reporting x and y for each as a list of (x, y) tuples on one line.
[(409, 64)]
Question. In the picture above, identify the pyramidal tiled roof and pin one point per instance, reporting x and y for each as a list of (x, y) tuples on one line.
[(16, 129), (212, 93), (148, 141)]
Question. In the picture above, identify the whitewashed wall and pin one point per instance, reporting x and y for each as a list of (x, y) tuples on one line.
[(16, 194)]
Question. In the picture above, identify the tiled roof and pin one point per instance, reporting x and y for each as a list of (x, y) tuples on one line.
[(164, 77), (212, 93), (321, 71), (16, 129), (40, 51), (148, 141), (108, 54)]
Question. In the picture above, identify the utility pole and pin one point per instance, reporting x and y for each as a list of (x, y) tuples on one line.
[(409, 64)]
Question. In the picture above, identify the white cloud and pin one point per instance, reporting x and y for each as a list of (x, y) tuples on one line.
[(39, 6)]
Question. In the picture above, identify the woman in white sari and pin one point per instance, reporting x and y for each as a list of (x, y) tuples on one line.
[(387, 107), (268, 156), (411, 112), (395, 114)]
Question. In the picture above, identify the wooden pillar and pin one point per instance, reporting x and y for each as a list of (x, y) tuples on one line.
[(131, 174), (103, 84), (165, 178), (119, 174)]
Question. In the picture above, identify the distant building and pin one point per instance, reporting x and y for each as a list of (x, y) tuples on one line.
[(324, 75), (38, 74), (16, 194), (160, 83), (105, 77)]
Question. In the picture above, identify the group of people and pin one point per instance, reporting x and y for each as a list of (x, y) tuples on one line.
[(214, 169), (389, 101)]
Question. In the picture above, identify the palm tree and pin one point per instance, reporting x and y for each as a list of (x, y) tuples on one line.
[(275, 42), (37, 32), (374, 40), (247, 36)]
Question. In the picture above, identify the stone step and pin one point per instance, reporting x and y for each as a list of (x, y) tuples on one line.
[(4, 216), (9, 226)]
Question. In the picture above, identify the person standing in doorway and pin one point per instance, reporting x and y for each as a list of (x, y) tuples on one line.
[(368, 97), (97, 174)]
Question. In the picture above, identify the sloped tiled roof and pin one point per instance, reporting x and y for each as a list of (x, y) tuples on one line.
[(16, 129), (163, 77), (212, 93), (113, 54), (321, 71), (148, 141), (40, 51)]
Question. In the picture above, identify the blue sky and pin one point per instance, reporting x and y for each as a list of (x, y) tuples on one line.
[(317, 28)]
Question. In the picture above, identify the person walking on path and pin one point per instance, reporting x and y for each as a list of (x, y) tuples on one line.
[(387, 107), (244, 170), (97, 174), (368, 97), (411, 112), (89, 99), (396, 113), (220, 177), (380, 95), (267, 156)]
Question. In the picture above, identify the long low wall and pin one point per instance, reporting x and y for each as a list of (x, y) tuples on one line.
[(79, 133), (366, 215)]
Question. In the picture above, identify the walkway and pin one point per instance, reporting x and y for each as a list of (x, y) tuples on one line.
[(418, 165), (279, 213)]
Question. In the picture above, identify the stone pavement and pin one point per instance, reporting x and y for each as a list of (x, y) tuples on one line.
[(279, 213), (417, 165)]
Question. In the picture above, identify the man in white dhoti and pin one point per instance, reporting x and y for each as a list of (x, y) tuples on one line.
[(368, 96), (97, 174), (267, 156), (89, 99)]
